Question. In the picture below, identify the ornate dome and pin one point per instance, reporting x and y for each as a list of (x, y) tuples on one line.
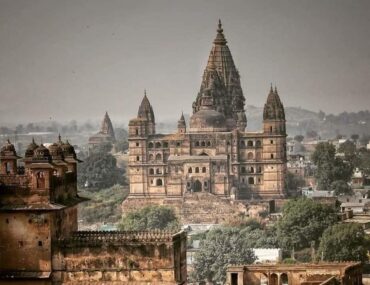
[(274, 109), (207, 120), (42, 153), (56, 151), (31, 149), (8, 150), (68, 150)]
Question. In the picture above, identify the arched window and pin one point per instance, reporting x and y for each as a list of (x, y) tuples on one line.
[(190, 170), (151, 156), (251, 180), (270, 129), (284, 279), (137, 131), (250, 143), (150, 145), (208, 143), (242, 143), (196, 169), (151, 171), (243, 169), (272, 156), (203, 143), (158, 156), (258, 156), (40, 180), (252, 169), (259, 169), (258, 143), (197, 143), (137, 158), (159, 182), (204, 170), (250, 155), (158, 171), (165, 144), (158, 144)]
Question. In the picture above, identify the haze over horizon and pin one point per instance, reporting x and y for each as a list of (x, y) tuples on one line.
[(64, 60)]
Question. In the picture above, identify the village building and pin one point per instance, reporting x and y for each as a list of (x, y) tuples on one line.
[(346, 273)]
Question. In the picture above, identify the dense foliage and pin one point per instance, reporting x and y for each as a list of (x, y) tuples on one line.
[(293, 182), (329, 167), (221, 247), (303, 221), (99, 170), (150, 218), (104, 206), (343, 242)]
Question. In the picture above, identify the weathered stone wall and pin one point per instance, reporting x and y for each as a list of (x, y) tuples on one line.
[(193, 208), (121, 258)]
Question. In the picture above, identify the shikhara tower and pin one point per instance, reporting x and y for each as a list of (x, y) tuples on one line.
[(213, 153), (221, 81)]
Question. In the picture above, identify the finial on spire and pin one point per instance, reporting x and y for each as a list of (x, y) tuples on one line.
[(271, 89), (219, 24), (8, 141), (144, 92), (220, 38), (59, 138), (276, 92), (33, 140)]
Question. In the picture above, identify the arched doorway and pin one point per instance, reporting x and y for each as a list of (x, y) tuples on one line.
[(284, 279), (197, 186), (273, 279)]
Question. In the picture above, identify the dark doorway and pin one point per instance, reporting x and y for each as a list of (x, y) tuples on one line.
[(197, 186), (234, 278)]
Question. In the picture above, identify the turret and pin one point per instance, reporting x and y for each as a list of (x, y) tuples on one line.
[(181, 125), (144, 124), (274, 114), (8, 158)]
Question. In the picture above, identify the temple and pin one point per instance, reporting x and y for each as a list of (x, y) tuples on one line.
[(105, 135), (214, 152)]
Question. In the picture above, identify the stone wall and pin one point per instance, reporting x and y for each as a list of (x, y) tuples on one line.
[(121, 258)]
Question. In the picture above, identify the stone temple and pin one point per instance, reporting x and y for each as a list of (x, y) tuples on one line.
[(214, 152)]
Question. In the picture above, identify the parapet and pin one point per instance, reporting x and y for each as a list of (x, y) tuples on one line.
[(89, 238)]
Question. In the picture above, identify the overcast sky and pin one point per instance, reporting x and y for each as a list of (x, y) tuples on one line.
[(75, 59)]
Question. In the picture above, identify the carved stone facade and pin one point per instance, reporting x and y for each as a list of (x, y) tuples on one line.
[(346, 273), (39, 241), (214, 154)]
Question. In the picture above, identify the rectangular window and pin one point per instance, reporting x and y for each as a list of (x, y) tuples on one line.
[(234, 278), (40, 243)]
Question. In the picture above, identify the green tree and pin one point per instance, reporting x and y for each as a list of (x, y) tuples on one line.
[(221, 247), (348, 148), (150, 218), (343, 242), (303, 221), (341, 187), (292, 181), (329, 167), (299, 138), (100, 171)]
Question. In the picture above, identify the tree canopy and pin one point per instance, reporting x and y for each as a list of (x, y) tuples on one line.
[(221, 247), (329, 167), (150, 218), (343, 242), (100, 169), (303, 221)]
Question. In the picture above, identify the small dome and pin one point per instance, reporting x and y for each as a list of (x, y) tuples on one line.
[(31, 149), (208, 120), (8, 149), (56, 151), (68, 150), (42, 153)]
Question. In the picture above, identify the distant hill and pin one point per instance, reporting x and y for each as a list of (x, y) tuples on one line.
[(301, 121)]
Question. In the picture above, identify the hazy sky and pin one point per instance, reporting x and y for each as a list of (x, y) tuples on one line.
[(75, 59)]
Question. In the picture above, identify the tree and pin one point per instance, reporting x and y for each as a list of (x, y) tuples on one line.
[(150, 218), (343, 242), (100, 170), (303, 221), (341, 187), (299, 138), (355, 137), (292, 181), (221, 247), (348, 148), (329, 167)]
